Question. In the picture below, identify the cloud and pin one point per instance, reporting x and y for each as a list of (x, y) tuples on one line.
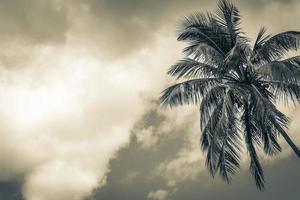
[(175, 169), (185, 166), (120, 28), (146, 138), (158, 195), (181, 164), (280, 184), (61, 126), (11, 190), (32, 21), (59, 180), (71, 113)]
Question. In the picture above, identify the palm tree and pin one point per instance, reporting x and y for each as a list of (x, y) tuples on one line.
[(236, 85)]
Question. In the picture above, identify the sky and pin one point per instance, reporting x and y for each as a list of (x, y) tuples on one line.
[(79, 112)]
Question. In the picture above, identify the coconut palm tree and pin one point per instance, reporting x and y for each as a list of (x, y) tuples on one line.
[(236, 84)]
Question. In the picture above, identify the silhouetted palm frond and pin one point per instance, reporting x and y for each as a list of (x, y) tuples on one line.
[(204, 30), (250, 129), (287, 70), (262, 37), (187, 92), (190, 68), (276, 47), (229, 17)]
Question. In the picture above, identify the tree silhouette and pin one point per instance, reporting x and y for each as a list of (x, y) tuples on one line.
[(236, 85)]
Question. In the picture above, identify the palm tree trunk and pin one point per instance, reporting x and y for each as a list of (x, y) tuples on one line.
[(291, 143)]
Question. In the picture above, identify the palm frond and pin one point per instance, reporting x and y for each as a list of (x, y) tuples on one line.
[(187, 92), (190, 68), (261, 39), (204, 52), (229, 17), (269, 139), (266, 134), (285, 135), (287, 71), (263, 115), (284, 91), (204, 30), (209, 140), (249, 131), (230, 153), (276, 47), (209, 103), (220, 136)]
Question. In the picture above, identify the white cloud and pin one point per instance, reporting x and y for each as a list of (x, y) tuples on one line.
[(64, 118), (189, 160), (62, 125), (146, 138), (59, 180), (158, 195)]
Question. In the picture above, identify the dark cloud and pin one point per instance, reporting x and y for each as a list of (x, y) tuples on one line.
[(262, 4), (132, 173), (11, 190), (123, 27), (276, 15), (282, 183), (120, 27), (33, 21)]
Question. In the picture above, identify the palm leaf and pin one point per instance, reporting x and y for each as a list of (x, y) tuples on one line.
[(204, 52), (261, 39), (204, 30), (229, 17), (209, 103), (190, 68), (230, 139), (255, 166), (284, 91), (276, 47), (287, 70), (187, 92)]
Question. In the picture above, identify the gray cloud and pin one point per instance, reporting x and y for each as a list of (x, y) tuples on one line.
[(33, 21), (123, 27), (11, 190), (120, 27), (281, 178), (134, 159)]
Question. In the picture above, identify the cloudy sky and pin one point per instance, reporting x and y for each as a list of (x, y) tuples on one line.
[(79, 118)]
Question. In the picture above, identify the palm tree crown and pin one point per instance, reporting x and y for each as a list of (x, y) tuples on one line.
[(236, 85)]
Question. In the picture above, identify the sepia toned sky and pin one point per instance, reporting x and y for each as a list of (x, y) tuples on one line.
[(79, 118)]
